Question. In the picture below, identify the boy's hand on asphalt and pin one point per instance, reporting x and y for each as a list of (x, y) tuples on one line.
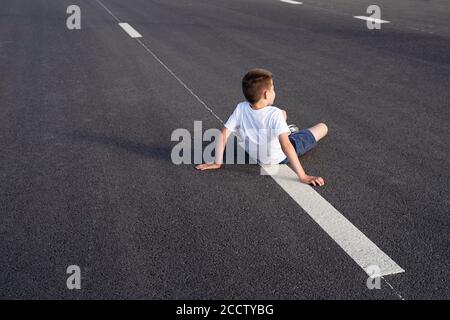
[(208, 166), (315, 181)]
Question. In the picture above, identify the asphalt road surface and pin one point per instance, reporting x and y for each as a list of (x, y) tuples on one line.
[(86, 176)]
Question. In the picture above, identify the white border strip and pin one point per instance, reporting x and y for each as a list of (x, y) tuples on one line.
[(363, 251)]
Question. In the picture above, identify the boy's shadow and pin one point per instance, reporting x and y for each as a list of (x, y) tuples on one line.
[(160, 151), (233, 154), (149, 150)]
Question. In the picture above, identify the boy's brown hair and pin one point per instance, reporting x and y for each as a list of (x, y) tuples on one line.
[(255, 82)]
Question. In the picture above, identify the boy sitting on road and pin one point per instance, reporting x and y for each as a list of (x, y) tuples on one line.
[(264, 126)]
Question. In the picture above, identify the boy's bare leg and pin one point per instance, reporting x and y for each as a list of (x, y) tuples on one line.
[(319, 131)]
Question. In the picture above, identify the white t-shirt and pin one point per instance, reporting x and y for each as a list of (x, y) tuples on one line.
[(258, 131)]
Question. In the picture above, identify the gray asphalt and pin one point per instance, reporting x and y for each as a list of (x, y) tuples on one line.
[(86, 176)]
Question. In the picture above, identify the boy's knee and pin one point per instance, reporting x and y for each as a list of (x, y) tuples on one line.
[(324, 127), (319, 131)]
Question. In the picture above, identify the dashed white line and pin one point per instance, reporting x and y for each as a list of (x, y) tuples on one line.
[(130, 30), (393, 289), (371, 19), (109, 11), (180, 81), (291, 1)]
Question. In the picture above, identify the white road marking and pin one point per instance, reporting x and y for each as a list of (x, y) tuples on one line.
[(363, 251), (180, 81), (109, 11), (371, 19), (130, 30), (291, 1), (393, 289)]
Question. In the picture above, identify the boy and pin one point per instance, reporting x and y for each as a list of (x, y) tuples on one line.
[(263, 126)]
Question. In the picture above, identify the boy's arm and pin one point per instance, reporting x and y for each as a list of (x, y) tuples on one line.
[(290, 153), (224, 134)]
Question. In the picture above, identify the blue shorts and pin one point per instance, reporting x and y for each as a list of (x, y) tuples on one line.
[(303, 141)]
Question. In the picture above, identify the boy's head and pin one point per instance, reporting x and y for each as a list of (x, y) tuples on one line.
[(257, 85)]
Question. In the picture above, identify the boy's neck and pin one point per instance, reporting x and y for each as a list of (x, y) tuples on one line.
[(258, 105)]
